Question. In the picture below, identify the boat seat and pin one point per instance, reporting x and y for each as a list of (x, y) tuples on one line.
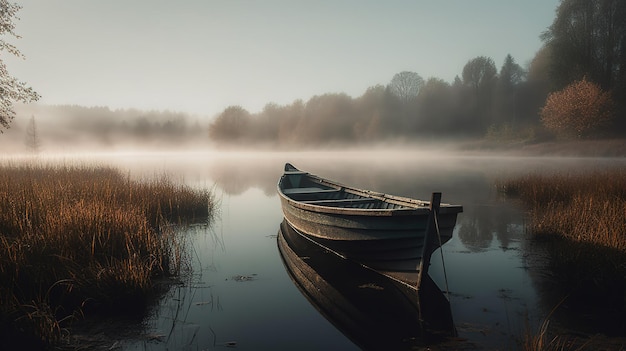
[(295, 173), (341, 201), (309, 191)]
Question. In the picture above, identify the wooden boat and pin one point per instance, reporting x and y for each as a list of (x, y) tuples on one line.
[(382, 231), (373, 311)]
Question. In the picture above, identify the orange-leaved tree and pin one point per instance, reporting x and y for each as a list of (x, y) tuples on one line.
[(580, 110)]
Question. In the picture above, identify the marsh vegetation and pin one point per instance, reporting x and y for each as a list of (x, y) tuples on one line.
[(77, 240), (581, 220)]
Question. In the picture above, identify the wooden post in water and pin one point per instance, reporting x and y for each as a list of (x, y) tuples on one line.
[(435, 200)]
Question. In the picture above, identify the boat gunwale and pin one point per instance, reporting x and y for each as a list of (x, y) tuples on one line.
[(411, 206)]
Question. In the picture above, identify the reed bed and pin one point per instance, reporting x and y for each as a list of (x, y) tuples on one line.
[(81, 239), (589, 208), (581, 220)]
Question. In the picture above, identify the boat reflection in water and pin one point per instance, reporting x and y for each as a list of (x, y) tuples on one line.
[(371, 309)]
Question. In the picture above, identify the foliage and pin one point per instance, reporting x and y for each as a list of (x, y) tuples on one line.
[(578, 111), (11, 89), (231, 124), (511, 73), (587, 39), (406, 108), (434, 108), (480, 77), (479, 73), (507, 90)]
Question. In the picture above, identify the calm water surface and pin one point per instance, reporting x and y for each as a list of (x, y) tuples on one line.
[(240, 294)]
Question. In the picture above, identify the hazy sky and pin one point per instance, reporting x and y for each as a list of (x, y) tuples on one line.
[(201, 56)]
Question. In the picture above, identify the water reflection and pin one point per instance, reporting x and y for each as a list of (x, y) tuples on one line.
[(496, 276), (585, 299), (375, 312), (482, 223)]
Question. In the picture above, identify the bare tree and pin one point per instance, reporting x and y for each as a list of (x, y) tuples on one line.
[(33, 141), (406, 85), (11, 90)]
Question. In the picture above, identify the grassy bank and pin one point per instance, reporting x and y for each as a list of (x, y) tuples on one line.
[(580, 219), (80, 239), (589, 208)]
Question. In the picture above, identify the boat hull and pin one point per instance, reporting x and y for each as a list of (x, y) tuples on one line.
[(394, 243), (383, 231)]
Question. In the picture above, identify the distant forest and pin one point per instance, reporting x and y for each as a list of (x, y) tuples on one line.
[(408, 108), (574, 87), (68, 127)]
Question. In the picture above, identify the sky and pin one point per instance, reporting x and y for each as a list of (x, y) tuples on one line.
[(201, 56)]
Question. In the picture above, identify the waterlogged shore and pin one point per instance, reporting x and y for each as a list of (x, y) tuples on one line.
[(580, 220), (79, 240)]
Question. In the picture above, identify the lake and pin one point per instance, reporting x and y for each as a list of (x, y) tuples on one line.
[(239, 293)]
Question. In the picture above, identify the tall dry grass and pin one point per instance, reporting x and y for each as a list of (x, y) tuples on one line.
[(582, 218), (77, 239), (589, 208)]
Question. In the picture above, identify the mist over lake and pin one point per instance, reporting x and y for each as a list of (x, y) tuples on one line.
[(142, 143), (239, 290)]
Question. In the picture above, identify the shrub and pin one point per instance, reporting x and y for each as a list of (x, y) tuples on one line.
[(580, 110)]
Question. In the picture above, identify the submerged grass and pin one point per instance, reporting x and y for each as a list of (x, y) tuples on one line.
[(589, 208), (81, 239), (581, 220)]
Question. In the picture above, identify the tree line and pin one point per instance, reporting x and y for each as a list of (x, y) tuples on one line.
[(585, 43), (46, 128), (407, 107), (574, 87)]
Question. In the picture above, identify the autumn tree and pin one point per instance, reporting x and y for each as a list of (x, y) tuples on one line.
[(580, 110), (588, 39), (11, 89)]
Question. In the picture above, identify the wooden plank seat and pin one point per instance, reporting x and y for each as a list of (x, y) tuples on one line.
[(341, 202), (296, 173), (312, 190)]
